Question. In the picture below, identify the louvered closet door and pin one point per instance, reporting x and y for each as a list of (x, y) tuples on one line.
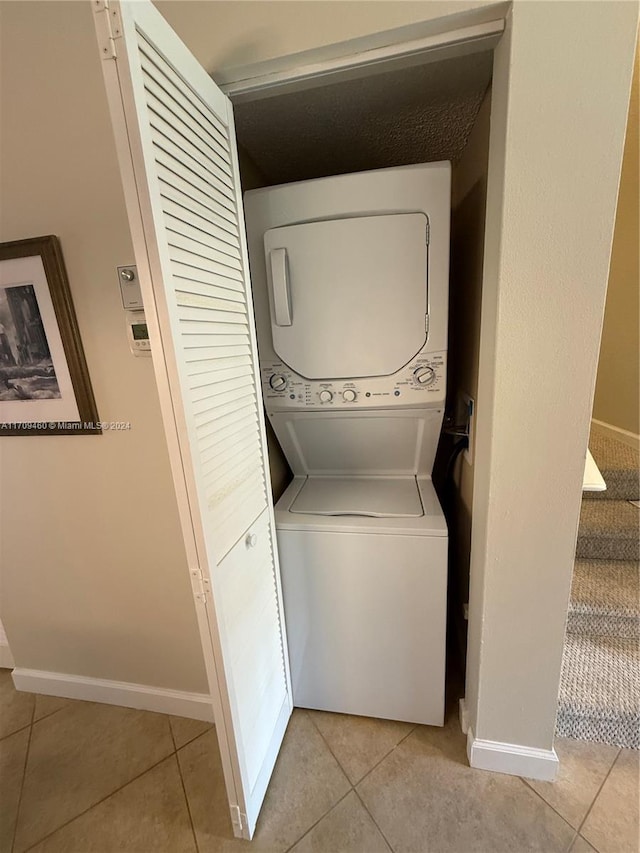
[(176, 144)]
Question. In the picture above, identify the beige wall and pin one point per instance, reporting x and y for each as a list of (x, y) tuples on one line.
[(618, 385), (78, 604), (229, 33), (469, 195), (557, 133), (93, 575)]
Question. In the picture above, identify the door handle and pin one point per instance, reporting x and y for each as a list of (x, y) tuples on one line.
[(250, 540), (280, 291)]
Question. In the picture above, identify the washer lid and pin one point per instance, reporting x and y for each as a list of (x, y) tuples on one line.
[(348, 297), (379, 497)]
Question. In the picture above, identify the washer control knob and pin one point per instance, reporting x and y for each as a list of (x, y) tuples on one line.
[(349, 395), (424, 375), (326, 396), (278, 382)]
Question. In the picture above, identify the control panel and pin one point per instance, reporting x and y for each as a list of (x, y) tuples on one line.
[(422, 381)]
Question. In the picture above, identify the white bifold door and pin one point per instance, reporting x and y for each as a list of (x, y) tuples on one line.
[(177, 152)]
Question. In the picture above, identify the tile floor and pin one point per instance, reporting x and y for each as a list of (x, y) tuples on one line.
[(85, 778)]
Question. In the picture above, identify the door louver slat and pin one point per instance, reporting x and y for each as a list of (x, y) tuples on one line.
[(204, 221), (190, 177), (224, 454), (201, 250), (173, 183), (175, 88), (200, 168), (186, 225), (187, 277), (173, 188), (225, 300), (170, 114), (229, 408), (195, 344), (219, 420), (217, 442), (232, 465), (222, 362), (215, 376), (221, 389), (200, 263)]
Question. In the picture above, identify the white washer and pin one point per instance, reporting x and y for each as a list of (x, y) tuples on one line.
[(350, 282)]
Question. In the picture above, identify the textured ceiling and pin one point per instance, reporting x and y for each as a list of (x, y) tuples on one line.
[(413, 115)]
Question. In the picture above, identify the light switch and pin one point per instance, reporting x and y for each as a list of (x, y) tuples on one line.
[(130, 288)]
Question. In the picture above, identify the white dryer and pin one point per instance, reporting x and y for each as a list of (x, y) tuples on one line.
[(350, 285)]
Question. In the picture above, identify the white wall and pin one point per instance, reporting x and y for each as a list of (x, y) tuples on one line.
[(559, 103), (92, 565)]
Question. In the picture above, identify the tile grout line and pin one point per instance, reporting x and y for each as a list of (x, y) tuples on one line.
[(57, 710), (15, 732), (184, 790), (191, 740), (313, 825), (335, 758), (342, 770), (353, 785), (331, 808), (369, 772), (597, 794), (375, 822), (573, 843), (40, 719), (24, 776), (371, 769), (93, 805), (386, 755), (593, 801), (33, 720), (548, 805), (173, 740)]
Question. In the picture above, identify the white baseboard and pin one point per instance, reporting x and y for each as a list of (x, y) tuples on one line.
[(196, 706), (622, 435), (6, 658), (512, 758)]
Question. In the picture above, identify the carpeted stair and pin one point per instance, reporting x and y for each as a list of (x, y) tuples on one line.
[(600, 688)]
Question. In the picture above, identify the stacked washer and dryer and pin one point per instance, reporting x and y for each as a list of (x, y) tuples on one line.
[(350, 288)]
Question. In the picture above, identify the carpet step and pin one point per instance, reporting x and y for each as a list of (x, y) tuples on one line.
[(599, 696), (608, 531), (619, 465), (605, 599)]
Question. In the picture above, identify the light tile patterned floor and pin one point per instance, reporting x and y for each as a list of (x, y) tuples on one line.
[(77, 777)]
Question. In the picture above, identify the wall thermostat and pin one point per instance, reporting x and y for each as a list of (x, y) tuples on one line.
[(138, 333)]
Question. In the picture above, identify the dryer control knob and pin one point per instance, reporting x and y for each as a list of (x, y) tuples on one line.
[(349, 395), (278, 382), (424, 375), (326, 396)]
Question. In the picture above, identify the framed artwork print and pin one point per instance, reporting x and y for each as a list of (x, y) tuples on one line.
[(44, 382)]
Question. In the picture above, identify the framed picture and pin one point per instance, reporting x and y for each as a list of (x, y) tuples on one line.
[(44, 382)]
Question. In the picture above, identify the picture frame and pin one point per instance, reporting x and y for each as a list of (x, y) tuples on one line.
[(44, 382)]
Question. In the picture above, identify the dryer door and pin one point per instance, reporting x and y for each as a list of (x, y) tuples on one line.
[(348, 297)]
